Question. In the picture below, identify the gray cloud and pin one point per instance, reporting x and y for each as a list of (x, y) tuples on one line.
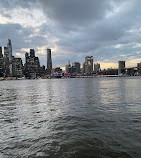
[(81, 28), (16, 3)]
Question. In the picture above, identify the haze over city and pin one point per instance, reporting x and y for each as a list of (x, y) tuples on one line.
[(108, 30)]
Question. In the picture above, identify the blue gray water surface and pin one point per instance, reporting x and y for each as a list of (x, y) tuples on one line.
[(71, 118)]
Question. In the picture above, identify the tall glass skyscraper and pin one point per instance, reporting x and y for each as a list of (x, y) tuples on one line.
[(49, 61), (88, 64), (9, 47)]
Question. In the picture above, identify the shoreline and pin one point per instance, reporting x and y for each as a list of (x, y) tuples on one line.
[(14, 78)]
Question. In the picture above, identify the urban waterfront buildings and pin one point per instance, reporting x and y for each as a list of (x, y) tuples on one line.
[(9, 65), (73, 69), (13, 67)]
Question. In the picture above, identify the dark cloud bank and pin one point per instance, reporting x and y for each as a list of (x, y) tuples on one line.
[(92, 27)]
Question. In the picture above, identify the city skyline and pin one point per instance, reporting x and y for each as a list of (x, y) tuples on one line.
[(74, 30)]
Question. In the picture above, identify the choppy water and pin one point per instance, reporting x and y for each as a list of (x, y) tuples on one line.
[(71, 118)]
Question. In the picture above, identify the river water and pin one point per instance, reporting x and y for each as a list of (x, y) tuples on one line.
[(71, 118)]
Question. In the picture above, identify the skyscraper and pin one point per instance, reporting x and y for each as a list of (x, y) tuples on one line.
[(17, 67), (4, 51), (9, 47), (77, 65), (32, 53), (1, 62), (49, 61), (32, 65), (1, 53), (26, 56), (96, 67), (89, 65), (68, 67), (121, 67), (139, 68)]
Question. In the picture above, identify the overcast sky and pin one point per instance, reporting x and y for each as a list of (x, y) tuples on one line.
[(108, 30)]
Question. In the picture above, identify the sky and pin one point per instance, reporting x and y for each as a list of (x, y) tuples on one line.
[(108, 30)]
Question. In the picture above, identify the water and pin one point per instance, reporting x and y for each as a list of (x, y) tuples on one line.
[(71, 118)]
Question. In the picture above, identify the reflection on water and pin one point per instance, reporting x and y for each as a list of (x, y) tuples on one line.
[(71, 118)]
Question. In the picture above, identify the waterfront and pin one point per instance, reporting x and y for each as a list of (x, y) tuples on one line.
[(71, 118)]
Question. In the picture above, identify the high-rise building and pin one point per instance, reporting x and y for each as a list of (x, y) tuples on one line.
[(4, 51), (32, 53), (77, 66), (97, 67), (32, 65), (83, 69), (121, 67), (1, 62), (6, 63), (9, 66), (68, 67), (1, 52), (88, 65), (17, 67), (26, 56), (9, 49), (49, 61), (139, 68)]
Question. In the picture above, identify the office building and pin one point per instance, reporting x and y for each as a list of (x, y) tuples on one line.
[(139, 68), (68, 67), (49, 61), (32, 65), (1, 63), (1, 55), (26, 56), (121, 67), (4, 51), (96, 67), (88, 65), (83, 69), (77, 66), (9, 49), (32, 53), (17, 67), (6, 63)]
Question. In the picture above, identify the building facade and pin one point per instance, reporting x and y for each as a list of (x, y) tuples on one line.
[(96, 67), (88, 65), (49, 61), (32, 65), (139, 68), (121, 67), (68, 67), (9, 49), (77, 66), (1, 62), (17, 67)]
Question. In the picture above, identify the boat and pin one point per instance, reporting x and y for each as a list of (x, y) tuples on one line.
[(57, 75)]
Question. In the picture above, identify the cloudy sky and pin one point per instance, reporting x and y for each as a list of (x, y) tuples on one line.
[(109, 30)]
